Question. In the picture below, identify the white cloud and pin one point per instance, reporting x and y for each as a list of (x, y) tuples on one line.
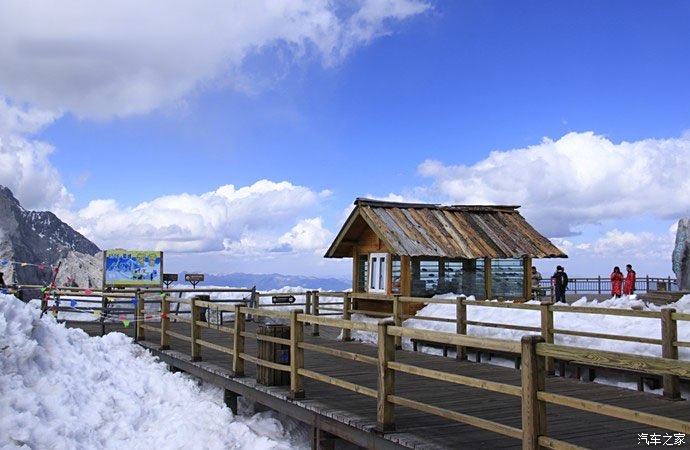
[(306, 235), (106, 58), (25, 167), (246, 219), (581, 178)]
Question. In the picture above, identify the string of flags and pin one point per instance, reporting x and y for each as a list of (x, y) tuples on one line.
[(41, 266)]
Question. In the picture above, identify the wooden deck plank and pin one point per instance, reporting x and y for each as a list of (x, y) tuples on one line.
[(415, 429)]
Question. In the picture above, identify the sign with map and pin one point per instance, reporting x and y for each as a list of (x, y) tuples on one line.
[(132, 268)]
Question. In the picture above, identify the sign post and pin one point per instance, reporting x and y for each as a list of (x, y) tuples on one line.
[(194, 278), (169, 278)]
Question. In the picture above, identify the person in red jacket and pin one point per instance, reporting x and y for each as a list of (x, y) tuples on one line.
[(629, 285), (616, 282)]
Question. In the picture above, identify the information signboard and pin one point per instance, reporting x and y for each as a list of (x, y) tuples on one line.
[(132, 268)]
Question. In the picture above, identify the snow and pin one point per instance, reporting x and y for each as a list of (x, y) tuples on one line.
[(61, 389), (620, 325)]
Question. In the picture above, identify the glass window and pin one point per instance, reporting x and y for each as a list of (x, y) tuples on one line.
[(362, 273)]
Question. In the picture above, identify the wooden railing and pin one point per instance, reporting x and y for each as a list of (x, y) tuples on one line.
[(668, 325), (602, 285), (532, 392)]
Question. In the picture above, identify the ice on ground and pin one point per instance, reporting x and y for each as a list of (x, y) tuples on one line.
[(61, 389)]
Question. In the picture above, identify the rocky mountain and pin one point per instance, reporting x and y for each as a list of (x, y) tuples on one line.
[(39, 237)]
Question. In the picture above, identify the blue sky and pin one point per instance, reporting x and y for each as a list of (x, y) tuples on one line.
[(448, 82)]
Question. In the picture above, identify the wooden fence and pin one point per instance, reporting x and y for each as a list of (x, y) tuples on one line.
[(535, 351)]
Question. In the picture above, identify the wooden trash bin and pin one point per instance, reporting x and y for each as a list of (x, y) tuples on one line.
[(277, 353), (203, 310)]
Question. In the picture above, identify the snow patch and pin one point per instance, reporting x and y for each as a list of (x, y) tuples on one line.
[(60, 388)]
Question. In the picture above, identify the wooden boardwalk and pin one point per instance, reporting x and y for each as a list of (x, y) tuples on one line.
[(353, 417)]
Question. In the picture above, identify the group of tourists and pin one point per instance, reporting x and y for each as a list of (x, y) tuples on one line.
[(620, 285)]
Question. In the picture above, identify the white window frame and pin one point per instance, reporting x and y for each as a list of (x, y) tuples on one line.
[(378, 272)]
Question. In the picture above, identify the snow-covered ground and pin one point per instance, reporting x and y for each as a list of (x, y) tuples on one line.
[(61, 389), (620, 325)]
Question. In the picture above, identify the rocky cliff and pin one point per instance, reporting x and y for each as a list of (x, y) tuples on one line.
[(681, 254), (39, 237)]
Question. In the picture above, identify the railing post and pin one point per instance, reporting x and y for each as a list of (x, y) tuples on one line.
[(238, 342), (307, 301), (296, 355), (547, 332), (533, 381), (139, 317), (669, 350), (165, 322), (397, 319), (599, 284), (347, 315), (461, 325), (194, 332), (315, 308), (386, 378), (647, 283), (104, 313)]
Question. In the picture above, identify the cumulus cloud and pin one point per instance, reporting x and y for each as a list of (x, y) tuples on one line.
[(25, 167), (579, 179), (234, 219), (306, 235), (121, 57)]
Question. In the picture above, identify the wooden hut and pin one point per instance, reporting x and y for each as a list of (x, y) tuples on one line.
[(419, 249)]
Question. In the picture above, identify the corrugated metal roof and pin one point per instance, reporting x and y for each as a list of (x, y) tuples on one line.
[(456, 231)]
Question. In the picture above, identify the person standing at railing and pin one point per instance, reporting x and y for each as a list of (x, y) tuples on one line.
[(616, 282), (630, 278), (560, 283)]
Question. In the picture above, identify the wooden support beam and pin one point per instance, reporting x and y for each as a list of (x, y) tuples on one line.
[(669, 335), (165, 323), (547, 332), (386, 378), (230, 400), (315, 311), (533, 381), (355, 269), (389, 274), (139, 317), (527, 284), (397, 319), (195, 331), (405, 276), (461, 325), (487, 279), (238, 343), (347, 315), (296, 355)]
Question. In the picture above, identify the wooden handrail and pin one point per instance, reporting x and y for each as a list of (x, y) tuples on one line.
[(615, 360), (499, 345)]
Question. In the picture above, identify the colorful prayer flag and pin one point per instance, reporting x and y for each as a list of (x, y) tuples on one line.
[(73, 303), (125, 323), (122, 317), (88, 291), (96, 313)]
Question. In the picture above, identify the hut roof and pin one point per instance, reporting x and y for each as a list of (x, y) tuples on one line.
[(455, 231)]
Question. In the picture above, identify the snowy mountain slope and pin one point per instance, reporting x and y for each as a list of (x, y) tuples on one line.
[(60, 388)]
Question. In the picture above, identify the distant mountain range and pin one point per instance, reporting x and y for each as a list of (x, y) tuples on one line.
[(270, 281), (40, 238)]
